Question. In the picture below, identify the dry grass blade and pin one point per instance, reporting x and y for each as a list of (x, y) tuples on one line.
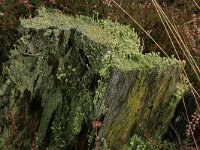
[(196, 4), (165, 20), (173, 30), (140, 27), (165, 24), (179, 40)]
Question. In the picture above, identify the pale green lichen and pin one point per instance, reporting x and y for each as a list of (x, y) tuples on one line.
[(122, 39), (143, 105), (138, 143)]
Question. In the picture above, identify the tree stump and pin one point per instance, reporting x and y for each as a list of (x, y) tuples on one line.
[(66, 72)]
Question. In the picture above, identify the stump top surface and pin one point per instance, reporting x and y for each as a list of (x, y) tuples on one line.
[(122, 39)]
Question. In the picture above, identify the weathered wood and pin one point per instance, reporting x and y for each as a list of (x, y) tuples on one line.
[(66, 72)]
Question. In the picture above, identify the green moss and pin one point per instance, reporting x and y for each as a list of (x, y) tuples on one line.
[(52, 99), (144, 111), (181, 89), (2, 143), (138, 143), (122, 39), (119, 129)]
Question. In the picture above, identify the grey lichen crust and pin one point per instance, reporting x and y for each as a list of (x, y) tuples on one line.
[(65, 72)]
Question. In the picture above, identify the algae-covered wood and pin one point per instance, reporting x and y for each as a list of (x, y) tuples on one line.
[(65, 72)]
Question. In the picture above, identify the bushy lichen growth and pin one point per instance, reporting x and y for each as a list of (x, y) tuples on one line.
[(181, 89), (122, 39), (138, 143)]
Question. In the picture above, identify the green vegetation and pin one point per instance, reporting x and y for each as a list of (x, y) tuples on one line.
[(137, 143), (122, 39), (73, 55), (80, 71)]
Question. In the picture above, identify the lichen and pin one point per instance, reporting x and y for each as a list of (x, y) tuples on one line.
[(144, 110), (122, 39), (138, 143)]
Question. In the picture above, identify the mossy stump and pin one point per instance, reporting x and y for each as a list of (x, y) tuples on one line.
[(65, 72)]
